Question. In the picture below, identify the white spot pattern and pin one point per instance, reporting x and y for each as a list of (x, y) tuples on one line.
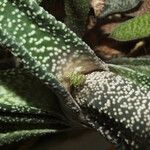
[(42, 42), (124, 103)]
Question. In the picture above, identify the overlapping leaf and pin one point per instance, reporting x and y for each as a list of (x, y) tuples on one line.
[(136, 69), (118, 107), (76, 15), (45, 45), (136, 28), (138, 61), (26, 104), (10, 137), (118, 6)]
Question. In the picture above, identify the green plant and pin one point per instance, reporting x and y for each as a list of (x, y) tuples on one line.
[(117, 6), (77, 11), (49, 51), (136, 28)]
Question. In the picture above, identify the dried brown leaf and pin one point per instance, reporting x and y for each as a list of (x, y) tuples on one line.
[(98, 6)]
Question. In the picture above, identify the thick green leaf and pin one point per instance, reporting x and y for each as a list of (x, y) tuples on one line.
[(136, 75), (117, 107), (10, 137), (20, 88), (77, 11), (140, 64), (142, 69), (46, 46), (118, 6), (16, 43), (136, 28), (141, 10), (25, 104), (136, 69), (46, 40), (76, 15), (139, 61)]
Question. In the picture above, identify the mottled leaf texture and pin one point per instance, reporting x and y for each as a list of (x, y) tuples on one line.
[(17, 89), (76, 15), (142, 9), (117, 107), (140, 64), (39, 1), (46, 46), (77, 11), (26, 104), (136, 69), (136, 28), (114, 105), (135, 74), (129, 61), (16, 136), (118, 6)]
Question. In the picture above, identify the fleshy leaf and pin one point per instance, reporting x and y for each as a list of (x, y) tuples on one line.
[(118, 6), (46, 46), (136, 28), (17, 136), (118, 108), (135, 74), (76, 15), (139, 61), (17, 89), (142, 9), (140, 64), (26, 103), (136, 69)]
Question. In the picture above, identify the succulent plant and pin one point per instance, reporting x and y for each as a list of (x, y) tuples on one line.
[(77, 11), (77, 14), (53, 58), (103, 8), (143, 8), (133, 29)]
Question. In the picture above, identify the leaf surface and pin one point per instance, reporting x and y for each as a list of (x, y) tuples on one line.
[(136, 28), (135, 69), (26, 104), (76, 15), (10, 137), (46, 46), (118, 6)]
